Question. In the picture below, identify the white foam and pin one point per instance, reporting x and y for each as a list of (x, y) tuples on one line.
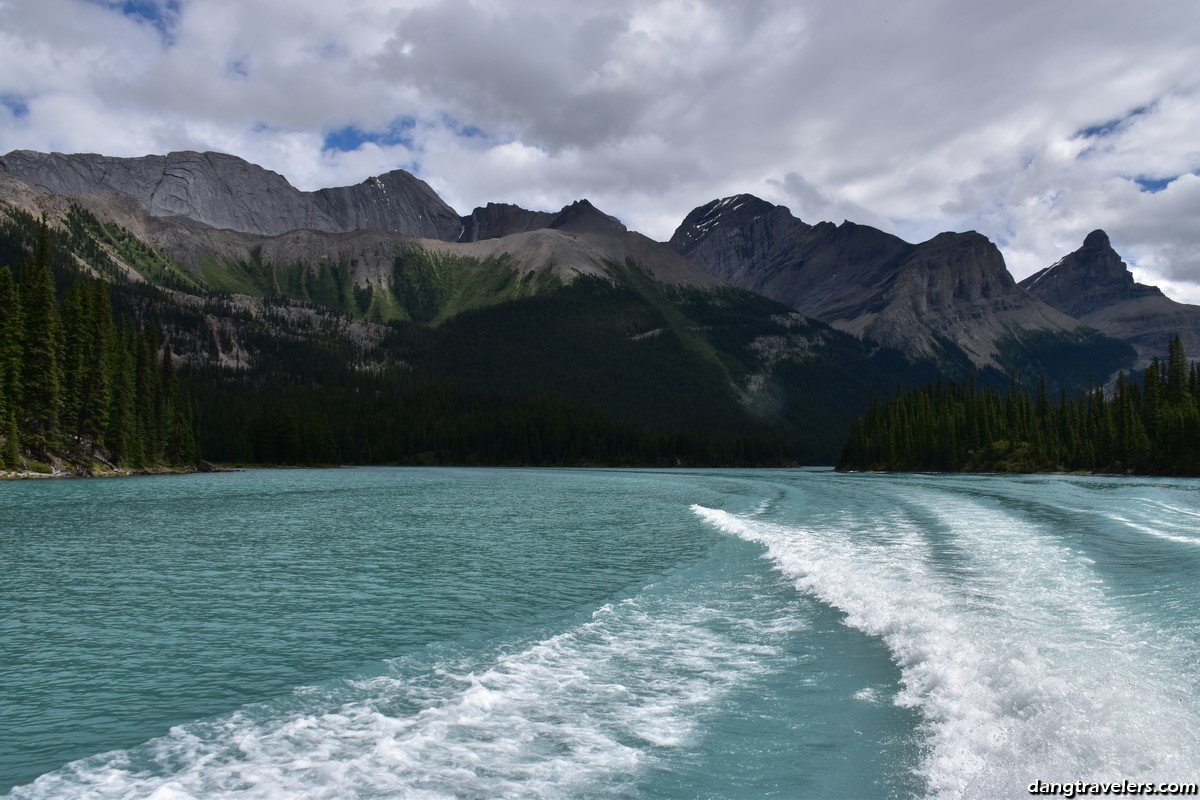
[(1156, 532), (580, 712), (868, 695), (1006, 644)]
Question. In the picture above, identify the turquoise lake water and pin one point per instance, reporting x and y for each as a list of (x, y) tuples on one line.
[(441, 633)]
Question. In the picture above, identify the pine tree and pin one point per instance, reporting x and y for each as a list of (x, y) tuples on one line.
[(94, 384), (41, 375), (75, 319), (12, 333), (148, 397), (11, 452), (1177, 372), (122, 438)]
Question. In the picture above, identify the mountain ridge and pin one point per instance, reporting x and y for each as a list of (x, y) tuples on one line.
[(567, 313), (1094, 285), (953, 287), (228, 192), (950, 298)]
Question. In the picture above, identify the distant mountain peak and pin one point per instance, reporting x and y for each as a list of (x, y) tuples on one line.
[(228, 192), (737, 209), (1096, 287), (497, 220), (865, 281), (583, 217), (1090, 278)]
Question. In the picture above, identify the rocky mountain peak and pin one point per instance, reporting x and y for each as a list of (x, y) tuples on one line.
[(1091, 278), (224, 191), (496, 220), (737, 212), (583, 217), (1097, 239), (725, 237), (865, 281), (395, 201)]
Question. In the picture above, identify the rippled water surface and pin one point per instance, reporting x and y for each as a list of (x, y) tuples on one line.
[(379, 633)]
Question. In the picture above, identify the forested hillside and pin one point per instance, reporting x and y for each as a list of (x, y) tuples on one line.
[(364, 348), (593, 373), (624, 371), (79, 390), (1151, 427)]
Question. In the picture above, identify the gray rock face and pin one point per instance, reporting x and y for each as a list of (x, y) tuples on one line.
[(1094, 285), (731, 237), (583, 217), (496, 220), (1091, 278), (396, 201), (865, 281), (227, 192)]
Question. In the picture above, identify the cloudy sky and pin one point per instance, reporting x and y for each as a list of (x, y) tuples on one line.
[(1033, 122)]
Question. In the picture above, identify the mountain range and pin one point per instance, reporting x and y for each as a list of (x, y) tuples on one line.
[(779, 324), (1095, 286)]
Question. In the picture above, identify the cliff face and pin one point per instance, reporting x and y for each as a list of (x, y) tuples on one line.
[(496, 220), (227, 192), (728, 237), (1091, 278), (1094, 285), (867, 282), (396, 201)]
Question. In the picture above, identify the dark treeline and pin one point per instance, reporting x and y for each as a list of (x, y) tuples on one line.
[(407, 416), (78, 388), (1147, 428), (544, 380)]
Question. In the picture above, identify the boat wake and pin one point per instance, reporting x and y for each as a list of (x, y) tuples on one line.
[(1008, 646)]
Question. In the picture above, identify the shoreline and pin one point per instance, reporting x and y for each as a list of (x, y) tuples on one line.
[(106, 471)]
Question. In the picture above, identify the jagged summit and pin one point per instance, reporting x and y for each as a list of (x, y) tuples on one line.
[(955, 287), (496, 220), (1094, 285), (736, 211), (583, 217), (1091, 278), (726, 237)]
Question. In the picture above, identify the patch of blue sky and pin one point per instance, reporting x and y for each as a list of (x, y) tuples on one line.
[(160, 14), (352, 137), (16, 105), (465, 130), (1113, 125), (1153, 185)]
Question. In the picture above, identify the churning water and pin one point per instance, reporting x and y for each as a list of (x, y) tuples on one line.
[(375, 633)]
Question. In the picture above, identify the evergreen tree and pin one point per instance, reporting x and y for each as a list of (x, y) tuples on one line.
[(1151, 428), (11, 452), (122, 437), (1177, 372), (94, 381), (41, 374), (12, 335)]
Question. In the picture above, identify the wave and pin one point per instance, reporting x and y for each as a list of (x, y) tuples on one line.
[(1156, 532), (584, 711), (1006, 642)]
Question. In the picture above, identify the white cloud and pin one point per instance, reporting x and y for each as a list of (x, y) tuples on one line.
[(914, 117)]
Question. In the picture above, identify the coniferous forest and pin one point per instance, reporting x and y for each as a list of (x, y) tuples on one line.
[(79, 391), (1149, 427)]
